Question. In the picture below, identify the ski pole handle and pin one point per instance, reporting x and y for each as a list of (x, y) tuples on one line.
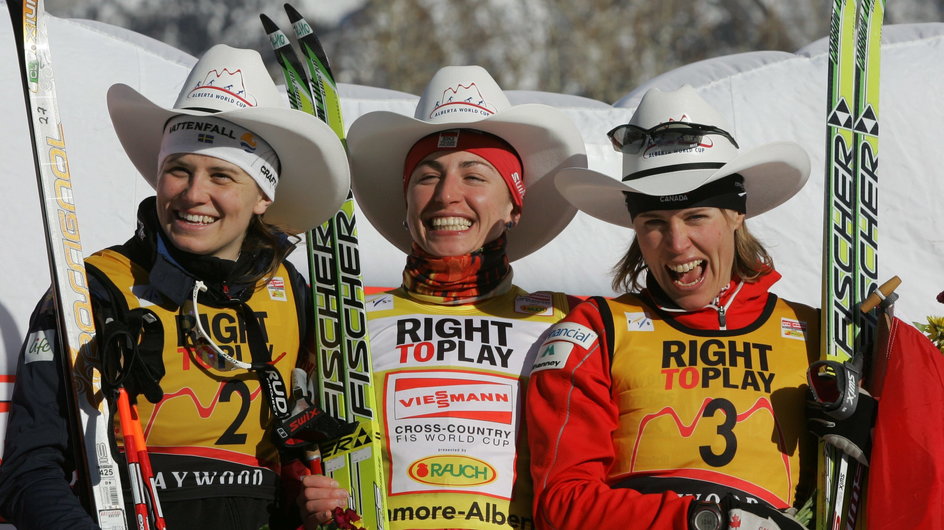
[(313, 459), (884, 291)]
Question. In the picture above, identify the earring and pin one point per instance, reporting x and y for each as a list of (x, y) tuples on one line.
[(405, 226), (509, 225)]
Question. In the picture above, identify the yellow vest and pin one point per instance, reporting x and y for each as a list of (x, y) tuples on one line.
[(207, 413), (451, 381), (723, 407)]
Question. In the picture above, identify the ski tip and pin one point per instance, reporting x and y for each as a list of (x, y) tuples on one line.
[(267, 23), (293, 14)]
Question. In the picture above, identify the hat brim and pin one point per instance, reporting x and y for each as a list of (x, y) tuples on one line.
[(545, 139), (314, 178), (773, 173)]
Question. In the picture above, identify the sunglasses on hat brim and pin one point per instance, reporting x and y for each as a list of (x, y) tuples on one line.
[(632, 139)]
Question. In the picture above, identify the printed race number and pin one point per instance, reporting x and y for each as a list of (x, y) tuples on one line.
[(725, 430)]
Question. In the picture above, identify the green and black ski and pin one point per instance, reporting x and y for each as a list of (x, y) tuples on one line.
[(850, 239), (343, 364), (99, 483)]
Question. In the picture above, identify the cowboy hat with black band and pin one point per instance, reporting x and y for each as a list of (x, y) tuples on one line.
[(466, 97), (678, 153), (233, 85)]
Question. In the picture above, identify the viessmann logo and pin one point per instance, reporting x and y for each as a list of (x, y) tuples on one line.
[(472, 399), (452, 470)]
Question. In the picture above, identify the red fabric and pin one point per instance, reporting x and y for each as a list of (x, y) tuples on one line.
[(571, 416), (453, 278), (749, 303), (499, 153), (906, 476), (571, 451)]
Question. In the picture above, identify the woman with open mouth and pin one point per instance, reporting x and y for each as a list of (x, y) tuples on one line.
[(680, 404), (461, 188)]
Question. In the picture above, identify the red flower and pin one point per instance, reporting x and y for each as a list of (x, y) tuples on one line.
[(344, 519)]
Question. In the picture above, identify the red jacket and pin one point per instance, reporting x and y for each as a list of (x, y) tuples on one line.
[(572, 415)]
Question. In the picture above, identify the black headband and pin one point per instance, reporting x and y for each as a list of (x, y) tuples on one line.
[(727, 192)]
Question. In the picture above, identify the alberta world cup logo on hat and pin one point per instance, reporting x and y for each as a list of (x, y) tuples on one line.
[(223, 85), (462, 98)]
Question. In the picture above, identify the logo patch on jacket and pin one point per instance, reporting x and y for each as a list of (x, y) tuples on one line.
[(638, 322), (276, 287), (379, 302), (792, 329), (562, 338), (39, 346), (535, 304)]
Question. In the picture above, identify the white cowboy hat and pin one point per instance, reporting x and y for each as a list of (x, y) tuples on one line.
[(466, 97), (233, 85), (772, 172)]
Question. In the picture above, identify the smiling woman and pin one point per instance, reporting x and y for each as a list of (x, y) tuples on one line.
[(462, 188), (684, 397), (458, 201), (236, 175), (205, 204)]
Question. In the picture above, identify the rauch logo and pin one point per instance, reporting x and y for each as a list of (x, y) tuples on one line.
[(452, 470)]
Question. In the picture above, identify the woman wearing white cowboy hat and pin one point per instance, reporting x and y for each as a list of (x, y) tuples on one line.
[(236, 174), (462, 189), (678, 404)]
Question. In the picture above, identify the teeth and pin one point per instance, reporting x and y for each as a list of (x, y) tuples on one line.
[(685, 267), (690, 284), (193, 218), (450, 223)]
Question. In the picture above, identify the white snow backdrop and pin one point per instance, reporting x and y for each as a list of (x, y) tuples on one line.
[(767, 96)]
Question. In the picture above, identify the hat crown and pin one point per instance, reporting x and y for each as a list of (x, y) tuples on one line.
[(226, 79), (460, 94), (685, 105)]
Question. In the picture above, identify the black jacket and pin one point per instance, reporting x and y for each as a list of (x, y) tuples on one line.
[(38, 457)]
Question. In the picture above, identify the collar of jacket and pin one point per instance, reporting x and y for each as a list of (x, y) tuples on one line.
[(745, 308), (173, 272)]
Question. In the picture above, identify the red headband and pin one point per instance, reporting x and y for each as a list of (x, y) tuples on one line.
[(496, 151)]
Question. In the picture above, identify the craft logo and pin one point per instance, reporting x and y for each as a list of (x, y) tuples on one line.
[(638, 322), (462, 99), (247, 142), (792, 329), (276, 287), (226, 85), (452, 470), (473, 399)]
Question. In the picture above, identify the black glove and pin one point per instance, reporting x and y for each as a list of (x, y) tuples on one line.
[(852, 435), (132, 356), (733, 513)]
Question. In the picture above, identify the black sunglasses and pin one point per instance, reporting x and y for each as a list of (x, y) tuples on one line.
[(632, 139)]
